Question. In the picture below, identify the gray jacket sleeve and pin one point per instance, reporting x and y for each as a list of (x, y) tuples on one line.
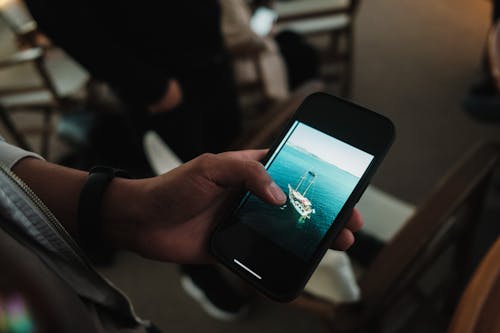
[(10, 155)]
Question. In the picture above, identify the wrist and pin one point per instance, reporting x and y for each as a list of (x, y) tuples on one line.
[(122, 211)]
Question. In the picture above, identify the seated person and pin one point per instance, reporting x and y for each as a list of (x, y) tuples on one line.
[(237, 33), (166, 61), (286, 60)]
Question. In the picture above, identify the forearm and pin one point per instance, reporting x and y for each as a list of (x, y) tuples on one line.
[(59, 188)]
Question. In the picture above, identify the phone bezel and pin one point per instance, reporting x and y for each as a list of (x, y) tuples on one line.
[(285, 274)]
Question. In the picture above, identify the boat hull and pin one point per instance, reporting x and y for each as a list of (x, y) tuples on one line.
[(301, 204)]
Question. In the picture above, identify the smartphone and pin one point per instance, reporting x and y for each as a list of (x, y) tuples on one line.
[(262, 21), (323, 161)]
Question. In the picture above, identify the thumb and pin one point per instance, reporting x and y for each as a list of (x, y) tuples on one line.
[(227, 170)]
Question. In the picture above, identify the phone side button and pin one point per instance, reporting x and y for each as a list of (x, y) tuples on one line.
[(247, 269)]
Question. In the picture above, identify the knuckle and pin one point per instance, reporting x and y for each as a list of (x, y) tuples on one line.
[(206, 160), (252, 166), (255, 170), (206, 166), (206, 156)]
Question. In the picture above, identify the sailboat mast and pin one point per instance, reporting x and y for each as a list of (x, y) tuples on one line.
[(308, 186), (301, 181)]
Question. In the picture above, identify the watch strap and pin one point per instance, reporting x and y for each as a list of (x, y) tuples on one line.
[(89, 224)]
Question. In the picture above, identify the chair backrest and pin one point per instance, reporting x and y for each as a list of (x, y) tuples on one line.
[(304, 9), (334, 19), (41, 96), (17, 17), (447, 219), (477, 311)]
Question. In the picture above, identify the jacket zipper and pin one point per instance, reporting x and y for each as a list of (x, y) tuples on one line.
[(70, 242), (47, 213)]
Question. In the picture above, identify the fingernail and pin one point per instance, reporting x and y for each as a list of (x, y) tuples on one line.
[(277, 193)]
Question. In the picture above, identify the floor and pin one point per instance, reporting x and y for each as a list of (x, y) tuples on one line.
[(414, 62)]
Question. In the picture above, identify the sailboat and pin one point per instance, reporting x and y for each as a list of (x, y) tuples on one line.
[(299, 201)]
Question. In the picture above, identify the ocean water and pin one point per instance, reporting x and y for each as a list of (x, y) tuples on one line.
[(330, 190)]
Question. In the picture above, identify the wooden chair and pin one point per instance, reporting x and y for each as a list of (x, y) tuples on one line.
[(407, 281), (334, 18), (33, 50), (249, 51), (477, 311)]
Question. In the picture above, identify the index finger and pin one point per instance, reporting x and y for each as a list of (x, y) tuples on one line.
[(249, 154), (228, 170)]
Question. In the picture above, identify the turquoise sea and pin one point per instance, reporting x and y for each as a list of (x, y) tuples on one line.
[(330, 190)]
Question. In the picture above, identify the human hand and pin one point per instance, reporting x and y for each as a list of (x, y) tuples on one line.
[(346, 236), (170, 99), (171, 217)]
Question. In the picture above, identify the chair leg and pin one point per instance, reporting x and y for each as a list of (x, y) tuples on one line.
[(348, 63), (47, 81), (11, 128), (333, 58), (340, 53)]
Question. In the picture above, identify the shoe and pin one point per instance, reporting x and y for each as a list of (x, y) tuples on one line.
[(216, 296)]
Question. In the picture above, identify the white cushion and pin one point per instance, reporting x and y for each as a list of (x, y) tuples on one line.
[(334, 279), (299, 7), (383, 216), (316, 25), (161, 158)]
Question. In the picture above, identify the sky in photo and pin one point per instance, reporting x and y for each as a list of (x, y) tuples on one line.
[(334, 151)]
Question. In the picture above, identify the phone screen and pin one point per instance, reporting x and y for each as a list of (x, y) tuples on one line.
[(323, 162), (318, 173)]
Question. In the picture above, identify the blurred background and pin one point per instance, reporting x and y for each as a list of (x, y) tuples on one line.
[(412, 61)]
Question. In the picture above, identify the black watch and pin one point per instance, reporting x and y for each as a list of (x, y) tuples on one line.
[(89, 207)]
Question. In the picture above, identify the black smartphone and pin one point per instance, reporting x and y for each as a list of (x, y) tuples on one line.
[(323, 161)]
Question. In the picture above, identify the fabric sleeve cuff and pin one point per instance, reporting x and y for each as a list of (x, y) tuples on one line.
[(10, 155)]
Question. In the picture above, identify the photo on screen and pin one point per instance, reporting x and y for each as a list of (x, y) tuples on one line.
[(317, 173)]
